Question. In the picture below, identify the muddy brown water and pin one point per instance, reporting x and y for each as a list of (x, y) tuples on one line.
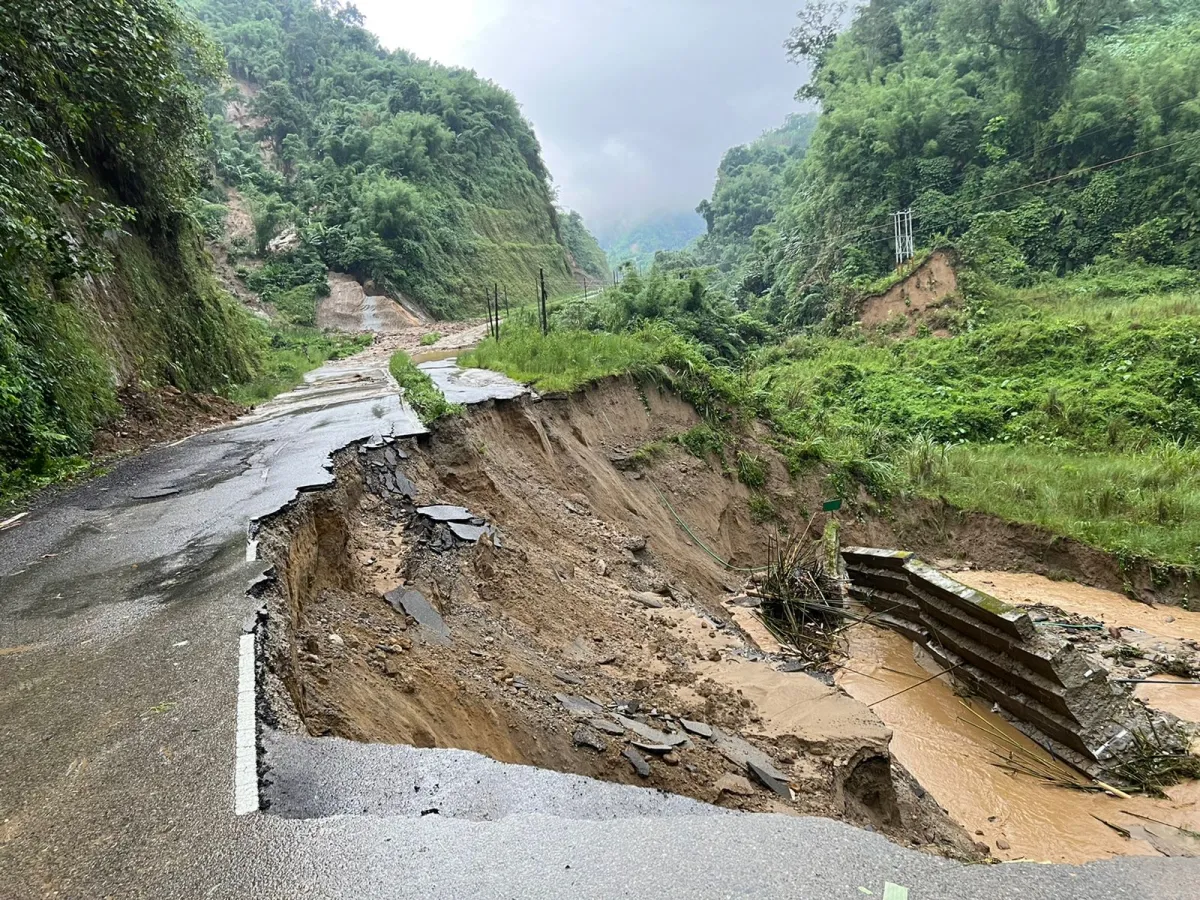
[(938, 739)]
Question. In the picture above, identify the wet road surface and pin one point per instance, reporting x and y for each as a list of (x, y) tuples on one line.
[(122, 605)]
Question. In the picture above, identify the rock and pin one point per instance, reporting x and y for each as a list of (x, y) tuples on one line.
[(671, 759), (645, 598), (568, 678), (404, 487), (983, 848), (635, 544), (1002, 844), (484, 562), (585, 738), (445, 513), (697, 728), (285, 242), (714, 655), (393, 666), (736, 785), (600, 567), (792, 665), (578, 706), (390, 455), (413, 603), (607, 727), (637, 761), (337, 640), (629, 707)]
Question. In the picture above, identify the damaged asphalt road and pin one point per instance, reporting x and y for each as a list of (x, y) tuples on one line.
[(121, 608)]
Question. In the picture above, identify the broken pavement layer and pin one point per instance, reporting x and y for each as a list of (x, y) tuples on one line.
[(1051, 690)]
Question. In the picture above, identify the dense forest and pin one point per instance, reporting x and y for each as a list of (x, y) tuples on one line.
[(423, 179), (584, 249), (103, 279), (1036, 137)]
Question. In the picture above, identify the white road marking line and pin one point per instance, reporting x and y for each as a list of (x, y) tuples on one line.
[(245, 781)]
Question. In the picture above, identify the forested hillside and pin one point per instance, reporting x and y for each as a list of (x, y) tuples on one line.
[(753, 183), (585, 250), (639, 241), (1051, 153), (1037, 137), (103, 279), (421, 178)]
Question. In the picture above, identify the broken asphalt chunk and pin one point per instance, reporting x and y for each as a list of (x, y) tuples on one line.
[(413, 603), (697, 728), (606, 726), (652, 735), (637, 761), (568, 678), (656, 749), (445, 513), (771, 777), (471, 533), (578, 706)]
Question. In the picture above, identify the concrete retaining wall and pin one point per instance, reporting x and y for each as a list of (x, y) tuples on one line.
[(1058, 696)]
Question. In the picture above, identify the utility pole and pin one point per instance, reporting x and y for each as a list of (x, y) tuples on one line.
[(545, 319), (496, 288)]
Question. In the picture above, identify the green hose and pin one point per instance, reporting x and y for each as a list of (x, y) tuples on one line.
[(699, 543)]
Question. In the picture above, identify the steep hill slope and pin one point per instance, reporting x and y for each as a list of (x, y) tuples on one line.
[(103, 280), (423, 179)]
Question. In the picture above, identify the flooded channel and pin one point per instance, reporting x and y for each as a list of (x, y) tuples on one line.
[(952, 746)]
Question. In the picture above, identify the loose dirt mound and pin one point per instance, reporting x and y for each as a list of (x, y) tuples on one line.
[(914, 301), (157, 416), (349, 308), (594, 605)]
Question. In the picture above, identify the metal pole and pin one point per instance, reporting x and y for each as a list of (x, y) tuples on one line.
[(545, 319)]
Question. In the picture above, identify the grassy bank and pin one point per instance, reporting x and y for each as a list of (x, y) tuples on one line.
[(1071, 404), (563, 360), (426, 400), (288, 354)]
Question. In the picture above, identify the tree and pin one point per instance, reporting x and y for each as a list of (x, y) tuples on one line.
[(1041, 41)]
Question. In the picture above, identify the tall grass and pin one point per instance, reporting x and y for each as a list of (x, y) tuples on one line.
[(1143, 505), (563, 360), (429, 403)]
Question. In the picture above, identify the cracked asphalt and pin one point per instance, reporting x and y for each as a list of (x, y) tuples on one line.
[(121, 606)]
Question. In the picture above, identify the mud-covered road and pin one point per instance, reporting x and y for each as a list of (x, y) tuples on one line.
[(122, 607)]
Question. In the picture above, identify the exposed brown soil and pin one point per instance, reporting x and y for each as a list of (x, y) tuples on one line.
[(559, 608), (913, 302), (161, 416)]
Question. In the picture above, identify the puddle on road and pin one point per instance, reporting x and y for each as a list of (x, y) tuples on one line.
[(954, 761), (428, 356)]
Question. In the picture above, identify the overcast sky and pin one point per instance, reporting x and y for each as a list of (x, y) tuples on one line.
[(634, 102)]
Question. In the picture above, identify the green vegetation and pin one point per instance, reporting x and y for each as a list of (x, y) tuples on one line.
[(102, 279), (427, 401), (428, 340), (423, 179), (565, 360), (998, 122), (640, 242), (289, 354), (583, 248)]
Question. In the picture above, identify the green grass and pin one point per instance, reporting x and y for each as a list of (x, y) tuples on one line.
[(430, 339), (563, 360), (1135, 505), (288, 355), (419, 391)]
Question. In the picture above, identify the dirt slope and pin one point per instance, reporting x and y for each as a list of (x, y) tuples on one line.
[(594, 592)]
